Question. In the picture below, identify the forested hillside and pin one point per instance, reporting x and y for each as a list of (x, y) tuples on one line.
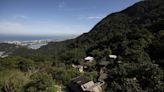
[(135, 35), (7, 47)]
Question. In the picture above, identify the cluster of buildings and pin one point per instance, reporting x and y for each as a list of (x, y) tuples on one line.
[(26, 43), (90, 59), (2, 54), (82, 84), (81, 68)]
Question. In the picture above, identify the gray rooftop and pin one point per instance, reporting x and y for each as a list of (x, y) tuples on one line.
[(104, 63), (80, 80)]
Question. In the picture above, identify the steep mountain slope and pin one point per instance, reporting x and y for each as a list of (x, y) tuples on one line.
[(143, 21), (145, 14), (135, 35)]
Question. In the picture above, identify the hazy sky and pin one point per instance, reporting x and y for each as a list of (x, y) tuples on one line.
[(52, 17)]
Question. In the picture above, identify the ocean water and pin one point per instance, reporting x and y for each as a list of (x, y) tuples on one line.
[(29, 38)]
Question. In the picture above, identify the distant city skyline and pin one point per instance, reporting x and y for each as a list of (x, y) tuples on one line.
[(55, 17)]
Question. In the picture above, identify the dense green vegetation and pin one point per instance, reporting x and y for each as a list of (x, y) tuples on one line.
[(6, 47), (36, 74), (135, 35)]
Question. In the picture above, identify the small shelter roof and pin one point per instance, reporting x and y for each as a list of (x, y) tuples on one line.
[(104, 63), (80, 80)]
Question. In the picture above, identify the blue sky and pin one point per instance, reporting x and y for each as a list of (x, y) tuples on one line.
[(55, 17)]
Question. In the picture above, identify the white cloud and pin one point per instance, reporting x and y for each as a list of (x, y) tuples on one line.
[(10, 28), (15, 28), (70, 9), (61, 4), (90, 17), (20, 16), (95, 17), (6, 26)]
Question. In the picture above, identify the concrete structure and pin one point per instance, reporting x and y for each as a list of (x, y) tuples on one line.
[(4, 56), (79, 67), (104, 63), (113, 56), (89, 59), (1, 53), (81, 84)]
